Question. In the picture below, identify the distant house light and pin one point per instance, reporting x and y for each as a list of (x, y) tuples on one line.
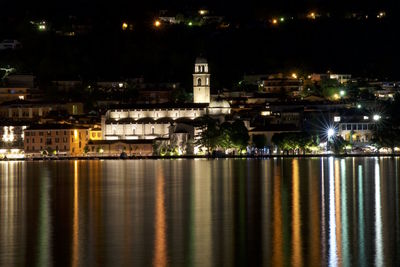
[(157, 23), (366, 117), (336, 118), (203, 12)]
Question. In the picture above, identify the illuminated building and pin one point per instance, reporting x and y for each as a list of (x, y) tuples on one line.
[(55, 139), (150, 121)]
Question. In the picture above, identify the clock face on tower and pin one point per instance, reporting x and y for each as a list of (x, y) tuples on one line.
[(201, 81)]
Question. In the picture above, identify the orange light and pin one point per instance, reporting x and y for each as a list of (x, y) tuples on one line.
[(274, 21), (124, 26), (157, 23)]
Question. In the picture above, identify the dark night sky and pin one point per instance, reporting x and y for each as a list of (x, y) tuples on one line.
[(234, 7)]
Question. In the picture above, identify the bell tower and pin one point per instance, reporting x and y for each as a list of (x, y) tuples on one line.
[(201, 81)]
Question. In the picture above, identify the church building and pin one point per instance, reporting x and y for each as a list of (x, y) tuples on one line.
[(150, 121)]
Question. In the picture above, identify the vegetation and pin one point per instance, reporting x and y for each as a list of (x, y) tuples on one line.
[(225, 136), (295, 142)]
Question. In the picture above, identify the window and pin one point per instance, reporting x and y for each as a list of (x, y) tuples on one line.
[(93, 135), (348, 127), (33, 140), (152, 130), (199, 82), (133, 130), (57, 140), (27, 140), (40, 133), (359, 127), (65, 132), (343, 127), (364, 127)]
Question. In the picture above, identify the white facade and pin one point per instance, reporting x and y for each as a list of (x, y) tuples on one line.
[(201, 82), (146, 123), (154, 120), (356, 132)]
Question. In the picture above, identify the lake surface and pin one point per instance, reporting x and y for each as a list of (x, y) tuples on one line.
[(226, 212)]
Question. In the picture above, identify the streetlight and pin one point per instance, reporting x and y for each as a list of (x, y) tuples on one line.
[(331, 133), (342, 92), (376, 117)]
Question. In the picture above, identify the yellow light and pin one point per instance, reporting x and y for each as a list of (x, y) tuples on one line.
[(294, 75), (336, 96), (274, 21), (157, 23), (76, 134), (312, 15), (203, 12), (124, 26)]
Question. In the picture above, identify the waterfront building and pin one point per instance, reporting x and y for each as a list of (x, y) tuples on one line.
[(55, 139), (356, 126), (150, 121), (116, 147)]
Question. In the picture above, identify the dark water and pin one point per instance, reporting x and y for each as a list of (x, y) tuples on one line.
[(291, 212)]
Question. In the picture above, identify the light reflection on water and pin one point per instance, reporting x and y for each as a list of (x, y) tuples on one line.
[(291, 212)]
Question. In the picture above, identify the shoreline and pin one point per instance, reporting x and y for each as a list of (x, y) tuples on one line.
[(204, 157)]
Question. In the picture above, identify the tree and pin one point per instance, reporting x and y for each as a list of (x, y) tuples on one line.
[(339, 144), (210, 134), (292, 141), (240, 135)]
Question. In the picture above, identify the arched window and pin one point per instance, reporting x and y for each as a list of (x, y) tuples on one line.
[(202, 68), (199, 82), (152, 130)]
